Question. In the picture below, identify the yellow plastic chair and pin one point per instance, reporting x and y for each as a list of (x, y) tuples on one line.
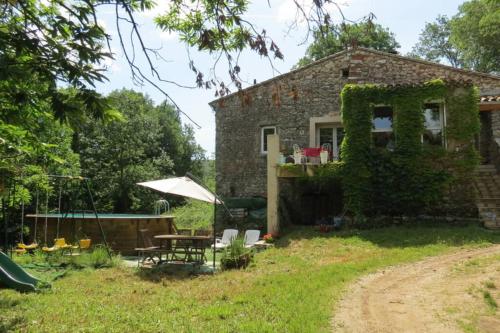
[(27, 247), (59, 244)]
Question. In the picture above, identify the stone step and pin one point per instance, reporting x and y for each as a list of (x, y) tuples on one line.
[(487, 180), (488, 213), (492, 169), (485, 166), (487, 184), (482, 206), (487, 187), (492, 225), (486, 177), (489, 199), (487, 194)]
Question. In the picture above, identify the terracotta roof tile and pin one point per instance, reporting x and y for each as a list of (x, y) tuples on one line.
[(490, 99)]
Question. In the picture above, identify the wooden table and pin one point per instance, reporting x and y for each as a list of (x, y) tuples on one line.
[(192, 247)]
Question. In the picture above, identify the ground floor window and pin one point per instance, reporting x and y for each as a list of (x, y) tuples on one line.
[(433, 132), (265, 131)]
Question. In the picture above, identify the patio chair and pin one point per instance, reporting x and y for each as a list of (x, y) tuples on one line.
[(148, 251), (199, 247), (251, 237), (181, 250), (227, 237), (202, 232)]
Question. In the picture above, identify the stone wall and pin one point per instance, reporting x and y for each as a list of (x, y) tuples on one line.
[(495, 142), (290, 100)]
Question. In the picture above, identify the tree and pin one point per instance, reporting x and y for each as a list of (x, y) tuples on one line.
[(366, 34), (434, 43), (476, 33), (149, 143), (470, 39)]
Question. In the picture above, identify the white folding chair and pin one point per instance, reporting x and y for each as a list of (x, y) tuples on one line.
[(227, 237), (251, 237)]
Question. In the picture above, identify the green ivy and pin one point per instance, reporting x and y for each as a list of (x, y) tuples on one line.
[(407, 181), (357, 120)]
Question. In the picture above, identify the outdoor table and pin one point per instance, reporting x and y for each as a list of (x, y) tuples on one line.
[(196, 246)]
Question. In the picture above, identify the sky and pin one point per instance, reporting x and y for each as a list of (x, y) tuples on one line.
[(405, 19)]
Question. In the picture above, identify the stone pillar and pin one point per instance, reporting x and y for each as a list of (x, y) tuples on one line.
[(273, 145)]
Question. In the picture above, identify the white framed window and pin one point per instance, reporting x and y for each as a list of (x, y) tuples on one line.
[(264, 132), (382, 132), (433, 124)]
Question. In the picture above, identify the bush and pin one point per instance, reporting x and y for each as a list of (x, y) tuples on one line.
[(194, 215), (236, 255)]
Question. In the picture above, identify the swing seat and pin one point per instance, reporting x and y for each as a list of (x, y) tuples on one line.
[(83, 244), (19, 251), (61, 243), (27, 247), (51, 249)]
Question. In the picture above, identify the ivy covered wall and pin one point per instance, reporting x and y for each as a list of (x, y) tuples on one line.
[(413, 178)]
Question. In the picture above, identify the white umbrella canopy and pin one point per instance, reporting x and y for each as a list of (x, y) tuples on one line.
[(183, 186)]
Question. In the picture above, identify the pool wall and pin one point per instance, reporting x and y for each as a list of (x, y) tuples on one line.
[(122, 234)]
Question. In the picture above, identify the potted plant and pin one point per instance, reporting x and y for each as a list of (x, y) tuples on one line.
[(236, 255), (268, 238)]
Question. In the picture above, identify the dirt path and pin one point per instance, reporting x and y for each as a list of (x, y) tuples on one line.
[(428, 296)]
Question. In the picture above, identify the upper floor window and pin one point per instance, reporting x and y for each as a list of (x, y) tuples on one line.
[(382, 133), (433, 123), (333, 135), (264, 132)]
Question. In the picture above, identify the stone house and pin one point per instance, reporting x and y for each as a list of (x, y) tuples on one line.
[(303, 107)]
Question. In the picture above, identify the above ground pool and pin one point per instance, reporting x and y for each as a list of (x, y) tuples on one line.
[(121, 230)]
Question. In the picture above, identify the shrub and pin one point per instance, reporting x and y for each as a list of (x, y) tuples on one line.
[(236, 255), (97, 258)]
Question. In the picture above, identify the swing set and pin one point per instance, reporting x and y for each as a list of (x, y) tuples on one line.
[(62, 217)]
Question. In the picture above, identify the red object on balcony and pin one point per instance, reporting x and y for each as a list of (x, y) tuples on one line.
[(312, 152)]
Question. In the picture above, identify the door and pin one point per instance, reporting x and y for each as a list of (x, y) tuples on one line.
[(333, 135)]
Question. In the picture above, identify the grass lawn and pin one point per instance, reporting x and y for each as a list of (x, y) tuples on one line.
[(292, 288)]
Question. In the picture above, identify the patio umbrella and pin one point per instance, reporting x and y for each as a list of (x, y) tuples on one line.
[(187, 187), (183, 186)]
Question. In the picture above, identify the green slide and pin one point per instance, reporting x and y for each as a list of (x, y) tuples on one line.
[(13, 276)]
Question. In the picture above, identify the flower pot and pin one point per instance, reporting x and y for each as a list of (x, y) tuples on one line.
[(323, 155), (240, 262)]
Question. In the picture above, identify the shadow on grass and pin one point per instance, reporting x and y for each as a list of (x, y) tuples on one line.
[(7, 323), (172, 271), (11, 324), (417, 235)]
